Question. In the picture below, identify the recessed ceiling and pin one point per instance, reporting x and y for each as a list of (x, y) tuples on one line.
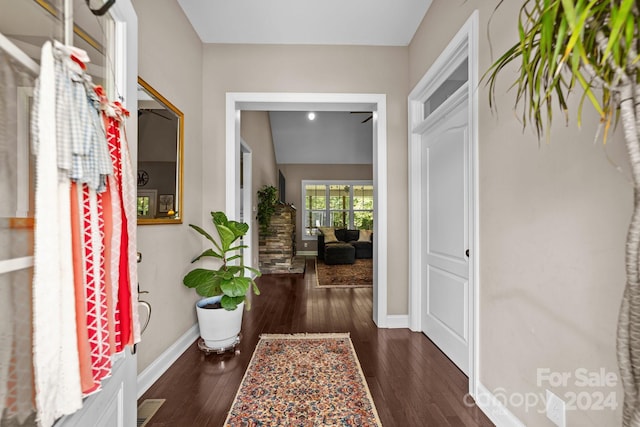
[(330, 22)]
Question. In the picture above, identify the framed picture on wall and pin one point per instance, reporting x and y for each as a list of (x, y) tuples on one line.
[(147, 203), (165, 203)]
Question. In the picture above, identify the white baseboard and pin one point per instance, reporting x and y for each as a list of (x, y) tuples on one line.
[(307, 253), (397, 321), (495, 410), (158, 367)]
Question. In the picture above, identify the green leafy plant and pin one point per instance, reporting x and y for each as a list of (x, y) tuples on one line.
[(267, 201), (591, 49), (229, 280)]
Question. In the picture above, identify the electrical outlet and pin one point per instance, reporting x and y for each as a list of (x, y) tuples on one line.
[(306, 244), (556, 410)]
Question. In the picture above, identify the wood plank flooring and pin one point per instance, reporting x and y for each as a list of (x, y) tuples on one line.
[(411, 381)]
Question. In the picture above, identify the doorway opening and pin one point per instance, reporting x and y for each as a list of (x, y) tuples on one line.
[(376, 103), (443, 270)]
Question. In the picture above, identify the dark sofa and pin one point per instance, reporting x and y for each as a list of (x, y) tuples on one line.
[(363, 249)]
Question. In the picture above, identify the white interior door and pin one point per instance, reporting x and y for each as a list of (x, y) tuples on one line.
[(113, 406), (445, 196), (116, 404)]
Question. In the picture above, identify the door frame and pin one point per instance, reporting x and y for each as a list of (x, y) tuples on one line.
[(247, 199), (274, 101), (463, 45)]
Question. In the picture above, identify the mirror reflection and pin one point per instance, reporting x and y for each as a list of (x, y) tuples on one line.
[(160, 145)]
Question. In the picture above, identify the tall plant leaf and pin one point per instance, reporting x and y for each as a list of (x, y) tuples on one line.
[(208, 253)]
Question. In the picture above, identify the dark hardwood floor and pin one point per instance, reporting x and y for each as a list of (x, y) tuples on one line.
[(411, 381)]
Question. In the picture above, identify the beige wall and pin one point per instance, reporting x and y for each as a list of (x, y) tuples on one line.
[(171, 62), (552, 217), (552, 229), (349, 69), (294, 174), (255, 130)]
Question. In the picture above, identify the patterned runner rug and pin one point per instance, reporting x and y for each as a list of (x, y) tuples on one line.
[(356, 275), (303, 380)]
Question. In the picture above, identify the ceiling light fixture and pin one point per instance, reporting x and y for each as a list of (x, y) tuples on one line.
[(311, 116)]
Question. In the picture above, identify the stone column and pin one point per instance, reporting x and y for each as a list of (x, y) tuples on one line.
[(277, 245)]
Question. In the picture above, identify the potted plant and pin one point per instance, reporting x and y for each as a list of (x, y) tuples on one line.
[(224, 289), (267, 201)]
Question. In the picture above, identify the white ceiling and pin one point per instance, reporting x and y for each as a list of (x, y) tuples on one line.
[(333, 22), (332, 138)]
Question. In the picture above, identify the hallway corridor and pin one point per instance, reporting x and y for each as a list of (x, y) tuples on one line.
[(412, 383)]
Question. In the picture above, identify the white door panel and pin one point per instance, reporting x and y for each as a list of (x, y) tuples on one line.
[(448, 293), (447, 204), (445, 196), (113, 406)]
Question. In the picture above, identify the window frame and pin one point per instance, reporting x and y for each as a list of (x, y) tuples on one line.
[(327, 209)]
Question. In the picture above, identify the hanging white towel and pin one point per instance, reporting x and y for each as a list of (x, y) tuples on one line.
[(21, 366), (6, 323), (55, 352), (7, 103)]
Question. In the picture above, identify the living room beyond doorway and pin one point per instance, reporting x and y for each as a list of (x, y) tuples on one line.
[(319, 102)]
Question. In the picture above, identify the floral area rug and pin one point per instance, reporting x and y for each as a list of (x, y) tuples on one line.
[(303, 380), (356, 275)]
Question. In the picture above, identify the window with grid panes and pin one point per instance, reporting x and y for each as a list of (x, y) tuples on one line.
[(335, 204)]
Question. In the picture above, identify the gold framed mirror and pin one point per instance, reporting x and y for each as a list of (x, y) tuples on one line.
[(160, 154)]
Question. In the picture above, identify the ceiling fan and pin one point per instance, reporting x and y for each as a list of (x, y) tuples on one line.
[(364, 112)]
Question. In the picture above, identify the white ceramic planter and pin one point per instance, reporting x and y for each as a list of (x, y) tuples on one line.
[(219, 328)]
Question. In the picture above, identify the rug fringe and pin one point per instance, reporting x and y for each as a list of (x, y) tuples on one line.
[(305, 335)]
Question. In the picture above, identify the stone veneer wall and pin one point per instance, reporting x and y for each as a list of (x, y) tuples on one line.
[(277, 246)]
